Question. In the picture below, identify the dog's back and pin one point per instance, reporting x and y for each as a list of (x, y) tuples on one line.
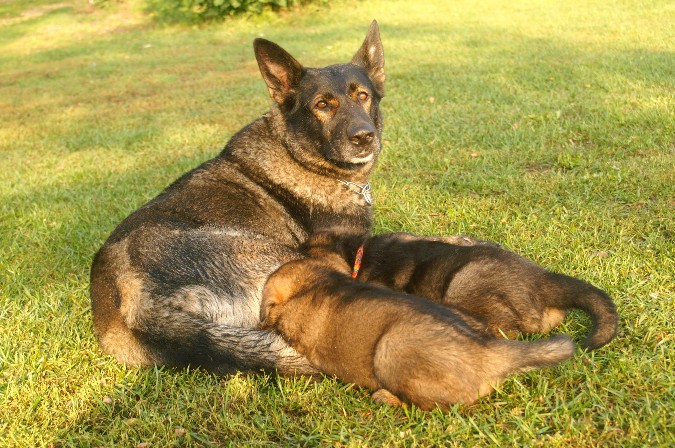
[(419, 351)]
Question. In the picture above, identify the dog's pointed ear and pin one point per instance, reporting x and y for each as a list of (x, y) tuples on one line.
[(371, 57), (279, 69)]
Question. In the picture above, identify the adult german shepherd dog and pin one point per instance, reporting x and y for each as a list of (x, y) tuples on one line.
[(179, 281)]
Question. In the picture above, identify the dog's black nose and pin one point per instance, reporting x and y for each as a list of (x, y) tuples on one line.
[(361, 136)]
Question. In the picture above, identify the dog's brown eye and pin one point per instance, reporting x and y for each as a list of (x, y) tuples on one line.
[(321, 104), (363, 96)]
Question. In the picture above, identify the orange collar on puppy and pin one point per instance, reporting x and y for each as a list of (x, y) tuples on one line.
[(357, 262)]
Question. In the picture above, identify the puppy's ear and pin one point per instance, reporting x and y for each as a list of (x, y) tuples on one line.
[(277, 291), (371, 57), (269, 301), (279, 69)]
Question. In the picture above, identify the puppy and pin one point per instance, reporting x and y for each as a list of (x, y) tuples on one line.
[(405, 348), (493, 289)]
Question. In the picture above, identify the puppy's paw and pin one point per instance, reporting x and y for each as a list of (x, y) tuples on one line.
[(385, 397)]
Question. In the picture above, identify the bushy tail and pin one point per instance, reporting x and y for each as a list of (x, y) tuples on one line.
[(571, 292), (545, 352), (509, 357)]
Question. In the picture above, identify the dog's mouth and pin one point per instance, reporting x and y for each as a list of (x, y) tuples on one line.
[(354, 163), (361, 160), (351, 159)]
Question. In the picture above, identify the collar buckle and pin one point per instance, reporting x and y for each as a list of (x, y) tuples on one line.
[(364, 191)]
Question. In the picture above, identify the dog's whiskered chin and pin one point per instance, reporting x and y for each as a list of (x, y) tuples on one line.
[(353, 162), (361, 160)]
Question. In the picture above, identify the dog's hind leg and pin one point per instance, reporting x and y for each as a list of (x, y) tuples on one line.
[(177, 338), (224, 349), (161, 314)]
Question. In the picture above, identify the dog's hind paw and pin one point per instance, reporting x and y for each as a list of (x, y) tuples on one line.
[(465, 240), (385, 397)]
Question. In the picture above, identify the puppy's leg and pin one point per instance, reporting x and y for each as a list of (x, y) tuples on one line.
[(551, 318), (464, 240), (457, 240)]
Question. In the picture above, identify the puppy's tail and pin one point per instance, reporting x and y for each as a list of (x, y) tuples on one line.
[(569, 292), (518, 356), (509, 357)]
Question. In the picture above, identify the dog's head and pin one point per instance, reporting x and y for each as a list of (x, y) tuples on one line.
[(333, 111), (294, 278)]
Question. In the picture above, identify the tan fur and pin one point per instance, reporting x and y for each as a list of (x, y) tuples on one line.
[(115, 334), (119, 341), (405, 348), (551, 318)]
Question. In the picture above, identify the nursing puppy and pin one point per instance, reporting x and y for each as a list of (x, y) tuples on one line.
[(405, 348), (493, 289)]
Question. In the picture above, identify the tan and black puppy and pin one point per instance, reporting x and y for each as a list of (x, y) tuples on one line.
[(493, 289), (405, 348)]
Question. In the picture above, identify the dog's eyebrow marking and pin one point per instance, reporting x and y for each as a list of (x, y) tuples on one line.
[(354, 86)]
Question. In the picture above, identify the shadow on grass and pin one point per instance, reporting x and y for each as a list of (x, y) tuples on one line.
[(204, 408)]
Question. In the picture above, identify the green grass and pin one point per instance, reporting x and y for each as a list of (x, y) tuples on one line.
[(551, 130)]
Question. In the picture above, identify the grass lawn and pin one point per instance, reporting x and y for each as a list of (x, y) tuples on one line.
[(546, 126)]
